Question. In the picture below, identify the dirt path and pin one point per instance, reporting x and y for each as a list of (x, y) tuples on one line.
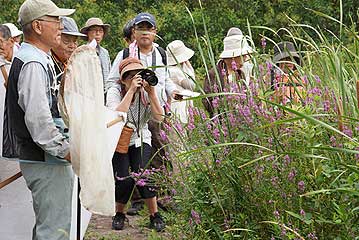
[(100, 228)]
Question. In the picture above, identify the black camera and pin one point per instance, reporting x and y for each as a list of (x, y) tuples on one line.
[(149, 76)]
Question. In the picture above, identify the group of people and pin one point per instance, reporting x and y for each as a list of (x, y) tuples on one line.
[(36, 134)]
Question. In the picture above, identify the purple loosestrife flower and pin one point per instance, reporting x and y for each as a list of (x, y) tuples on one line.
[(263, 42), (312, 236), (163, 135), (234, 87), (225, 130), (301, 186), (223, 72), (261, 68), (347, 131), (316, 91), (216, 120), (276, 214), (333, 141), (215, 102), (274, 181), (234, 65), (216, 134), (203, 115), (246, 112), (326, 106), (196, 217), (305, 79), (218, 161), (301, 212), (190, 111), (178, 127), (215, 88), (191, 126), (291, 175), (167, 127), (141, 182), (317, 78), (232, 120), (209, 126)]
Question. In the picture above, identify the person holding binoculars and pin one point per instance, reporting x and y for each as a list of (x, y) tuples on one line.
[(135, 95)]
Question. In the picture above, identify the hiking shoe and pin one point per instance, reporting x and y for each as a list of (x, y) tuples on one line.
[(118, 221), (135, 208), (156, 222)]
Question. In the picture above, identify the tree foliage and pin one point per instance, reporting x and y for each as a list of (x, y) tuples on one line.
[(174, 21)]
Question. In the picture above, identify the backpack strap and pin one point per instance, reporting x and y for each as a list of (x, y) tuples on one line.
[(163, 55), (125, 53)]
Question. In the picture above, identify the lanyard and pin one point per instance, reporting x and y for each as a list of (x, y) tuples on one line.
[(153, 57), (138, 116)]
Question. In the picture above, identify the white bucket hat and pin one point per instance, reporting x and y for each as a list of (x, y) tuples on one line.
[(177, 50), (235, 46), (13, 29)]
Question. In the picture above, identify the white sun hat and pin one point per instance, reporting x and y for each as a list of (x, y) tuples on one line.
[(177, 50), (13, 29), (235, 46)]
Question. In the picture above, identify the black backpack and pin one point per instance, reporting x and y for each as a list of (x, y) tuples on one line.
[(126, 53)]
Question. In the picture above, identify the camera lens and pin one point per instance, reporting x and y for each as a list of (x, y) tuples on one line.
[(149, 76)]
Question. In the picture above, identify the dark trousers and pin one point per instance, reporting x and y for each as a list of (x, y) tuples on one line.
[(136, 158)]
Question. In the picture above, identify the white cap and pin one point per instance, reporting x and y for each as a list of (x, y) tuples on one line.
[(13, 29)]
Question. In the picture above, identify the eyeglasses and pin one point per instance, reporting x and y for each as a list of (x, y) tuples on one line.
[(144, 29), (48, 20), (96, 30)]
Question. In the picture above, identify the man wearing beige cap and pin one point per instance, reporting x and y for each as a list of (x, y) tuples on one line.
[(42, 148), (96, 30)]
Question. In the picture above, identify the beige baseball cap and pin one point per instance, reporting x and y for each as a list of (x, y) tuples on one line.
[(34, 9)]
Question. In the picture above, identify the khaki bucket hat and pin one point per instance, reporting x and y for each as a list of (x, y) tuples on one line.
[(95, 22)]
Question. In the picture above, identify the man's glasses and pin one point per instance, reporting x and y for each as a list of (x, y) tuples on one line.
[(48, 20), (144, 29)]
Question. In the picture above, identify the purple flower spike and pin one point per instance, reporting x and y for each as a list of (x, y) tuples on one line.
[(234, 65), (301, 186)]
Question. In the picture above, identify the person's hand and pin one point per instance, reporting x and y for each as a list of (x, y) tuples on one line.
[(136, 82), (148, 88)]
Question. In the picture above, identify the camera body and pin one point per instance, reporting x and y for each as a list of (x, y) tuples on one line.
[(149, 76)]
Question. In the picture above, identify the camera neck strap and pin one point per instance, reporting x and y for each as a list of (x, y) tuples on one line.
[(153, 63), (137, 125)]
